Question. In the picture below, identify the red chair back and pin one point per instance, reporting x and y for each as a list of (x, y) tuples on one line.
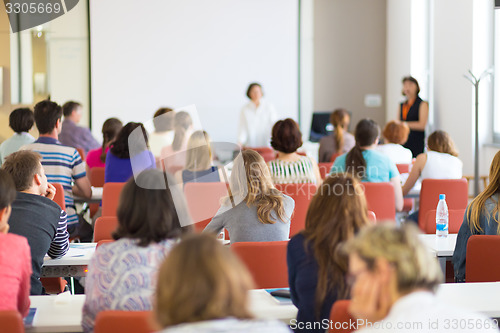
[(53, 285), (11, 322), (203, 199), (334, 157), (96, 176), (456, 195), (455, 219), (340, 318), (403, 168), (482, 258), (81, 151), (380, 200), (110, 198), (124, 322), (104, 227), (59, 197), (266, 261), (104, 241), (302, 194), (324, 169), (266, 152)]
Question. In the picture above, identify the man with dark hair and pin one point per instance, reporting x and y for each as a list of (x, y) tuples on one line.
[(21, 121), (163, 135), (62, 164), (73, 135), (34, 213)]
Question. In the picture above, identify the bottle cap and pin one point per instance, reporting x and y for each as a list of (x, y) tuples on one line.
[(442, 196)]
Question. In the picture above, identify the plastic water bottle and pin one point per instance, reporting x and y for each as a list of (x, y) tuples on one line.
[(442, 217)]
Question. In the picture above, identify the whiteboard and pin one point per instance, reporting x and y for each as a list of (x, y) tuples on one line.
[(153, 53)]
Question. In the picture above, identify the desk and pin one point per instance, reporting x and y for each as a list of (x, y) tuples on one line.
[(479, 297), (442, 247), (263, 306), (73, 263), (96, 196)]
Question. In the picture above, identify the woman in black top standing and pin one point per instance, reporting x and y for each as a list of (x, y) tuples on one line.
[(414, 111)]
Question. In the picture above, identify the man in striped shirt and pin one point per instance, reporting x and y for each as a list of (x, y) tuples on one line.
[(34, 213), (62, 164)]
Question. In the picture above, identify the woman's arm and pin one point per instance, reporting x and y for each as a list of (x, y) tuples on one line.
[(317, 174), (461, 249), (415, 172), (398, 193), (423, 115), (215, 226)]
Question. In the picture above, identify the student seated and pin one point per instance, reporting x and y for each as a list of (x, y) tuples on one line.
[(255, 211), (394, 277), (123, 160), (73, 135), (163, 134), (199, 168), (315, 270), (367, 164), (15, 258), (339, 141), (97, 157), (396, 134), (174, 155), (290, 167), (34, 213), (481, 218), (122, 274), (203, 287), (21, 121)]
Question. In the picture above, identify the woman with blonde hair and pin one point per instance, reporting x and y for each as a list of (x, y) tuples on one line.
[(339, 141), (255, 210), (394, 278), (395, 134), (203, 287), (316, 268), (481, 218)]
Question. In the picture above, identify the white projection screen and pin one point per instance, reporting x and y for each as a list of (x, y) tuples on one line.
[(152, 53)]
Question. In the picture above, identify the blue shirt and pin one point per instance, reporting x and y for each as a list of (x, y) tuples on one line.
[(12, 144), (379, 168), (119, 170)]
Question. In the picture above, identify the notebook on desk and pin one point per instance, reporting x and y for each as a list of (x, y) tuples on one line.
[(282, 300), (28, 320)]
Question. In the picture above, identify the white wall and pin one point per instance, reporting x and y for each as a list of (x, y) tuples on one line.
[(177, 53)]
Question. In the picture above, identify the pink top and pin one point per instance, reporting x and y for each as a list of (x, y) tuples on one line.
[(94, 158), (15, 273)]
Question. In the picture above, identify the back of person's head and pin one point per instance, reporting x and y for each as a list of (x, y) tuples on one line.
[(164, 119), (476, 207), (441, 142), (201, 280), (47, 113), (69, 107), (199, 153), (336, 213), (415, 267), (182, 122), (110, 130), (366, 134), (250, 87), (7, 190), (23, 165), (21, 120), (396, 132), (147, 212), (286, 136), (120, 147), (340, 120), (252, 182)]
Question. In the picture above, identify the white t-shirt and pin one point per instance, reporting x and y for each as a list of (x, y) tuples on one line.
[(397, 153), (422, 312), (159, 140), (256, 124), (441, 166)]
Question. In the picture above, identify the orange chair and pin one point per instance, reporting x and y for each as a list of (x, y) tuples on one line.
[(96, 176), (456, 196), (334, 157), (110, 198), (124, 322), (266, 152), (380, 200), (324, 169), (53, 285), (104, 241), (481, 259), (104, 227), (203, 199), (403, 168), (302, 195), (455, 219), (59, 197), (266, 261), (11, 322), (81, 151), (340, 319), (372, 217)]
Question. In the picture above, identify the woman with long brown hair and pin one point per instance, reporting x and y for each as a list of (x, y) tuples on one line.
[(316, 268), (97, 157), (481, 218), (203, 287), (339, 141), (255, 211)]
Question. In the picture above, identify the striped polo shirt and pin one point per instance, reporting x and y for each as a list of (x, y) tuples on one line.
[(62, 165)]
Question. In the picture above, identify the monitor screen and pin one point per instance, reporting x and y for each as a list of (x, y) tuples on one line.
[(320, 125)]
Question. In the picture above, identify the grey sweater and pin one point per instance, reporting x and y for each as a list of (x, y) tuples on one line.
[(243, 224)]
